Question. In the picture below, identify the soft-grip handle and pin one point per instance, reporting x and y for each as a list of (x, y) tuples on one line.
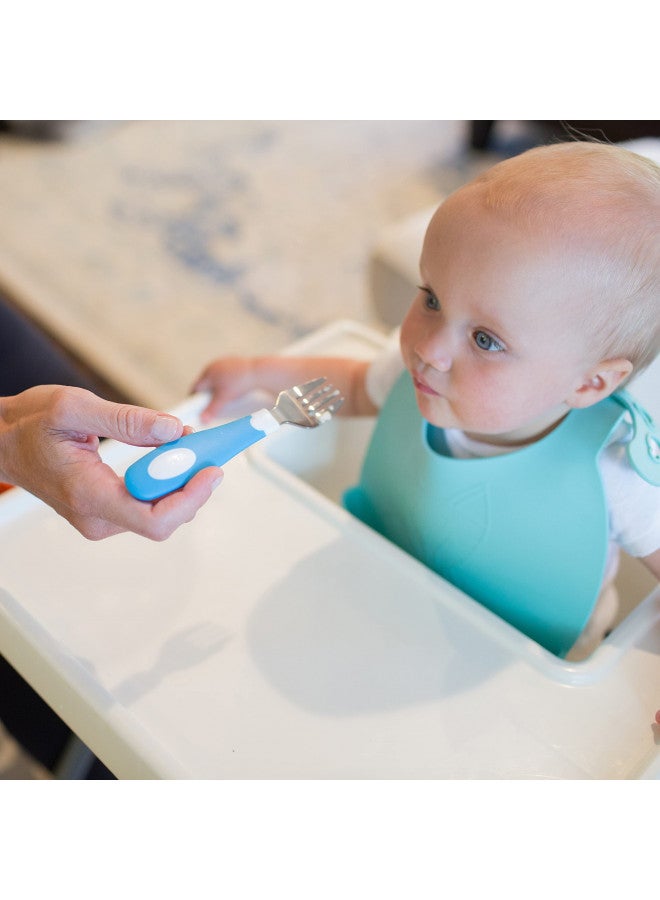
[(170, 466)]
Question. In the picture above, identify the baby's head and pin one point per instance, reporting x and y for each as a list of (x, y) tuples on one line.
[(540, 290), (600, 206)]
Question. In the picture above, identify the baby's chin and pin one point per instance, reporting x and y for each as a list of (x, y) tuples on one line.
[(434, 410), (488, 429), (486, 432)]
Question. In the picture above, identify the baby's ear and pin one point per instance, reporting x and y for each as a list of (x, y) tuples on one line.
[(601, 381)]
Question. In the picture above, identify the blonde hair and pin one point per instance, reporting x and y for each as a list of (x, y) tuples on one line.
[(614, 195)]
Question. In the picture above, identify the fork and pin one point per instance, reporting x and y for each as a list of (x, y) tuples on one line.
[(172, 465)]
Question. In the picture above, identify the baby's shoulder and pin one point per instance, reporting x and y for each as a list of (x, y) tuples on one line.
[(621, 479), (642, 438), (633, 502)]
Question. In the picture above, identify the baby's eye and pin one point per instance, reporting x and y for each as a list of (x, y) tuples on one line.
[(485, 341), (430, 300)]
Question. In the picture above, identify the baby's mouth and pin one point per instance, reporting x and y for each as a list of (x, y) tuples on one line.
[(423, 387)]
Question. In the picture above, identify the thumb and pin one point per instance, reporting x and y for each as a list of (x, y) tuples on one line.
[(130, 424)]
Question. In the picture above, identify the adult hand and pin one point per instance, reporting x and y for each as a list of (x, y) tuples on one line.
[(49, 445)]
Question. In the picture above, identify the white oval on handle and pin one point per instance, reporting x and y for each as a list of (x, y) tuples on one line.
[(172, 463)]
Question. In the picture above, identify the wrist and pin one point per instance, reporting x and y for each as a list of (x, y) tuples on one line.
[(266, 373)]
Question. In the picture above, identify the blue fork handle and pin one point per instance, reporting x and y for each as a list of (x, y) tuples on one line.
[(170, 466)]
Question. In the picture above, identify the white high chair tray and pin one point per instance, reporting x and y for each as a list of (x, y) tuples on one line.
[(277, 637)]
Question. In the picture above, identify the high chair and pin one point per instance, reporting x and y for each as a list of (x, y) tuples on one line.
[(278, 637)]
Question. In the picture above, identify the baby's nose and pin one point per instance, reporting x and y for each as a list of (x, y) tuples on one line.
[(441, 363), (435, 351)]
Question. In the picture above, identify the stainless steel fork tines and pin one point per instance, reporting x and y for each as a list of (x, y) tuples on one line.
[(309, 404)]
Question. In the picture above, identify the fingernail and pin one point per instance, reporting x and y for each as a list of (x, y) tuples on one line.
[(217, 482), (166, 428)]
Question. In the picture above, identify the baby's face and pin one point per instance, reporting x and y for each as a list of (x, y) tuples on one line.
[(494, 339)]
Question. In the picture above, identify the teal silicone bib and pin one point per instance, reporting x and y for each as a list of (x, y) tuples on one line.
[(525, 533)]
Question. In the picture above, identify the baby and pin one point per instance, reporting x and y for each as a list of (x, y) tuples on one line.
[(502, 456)]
